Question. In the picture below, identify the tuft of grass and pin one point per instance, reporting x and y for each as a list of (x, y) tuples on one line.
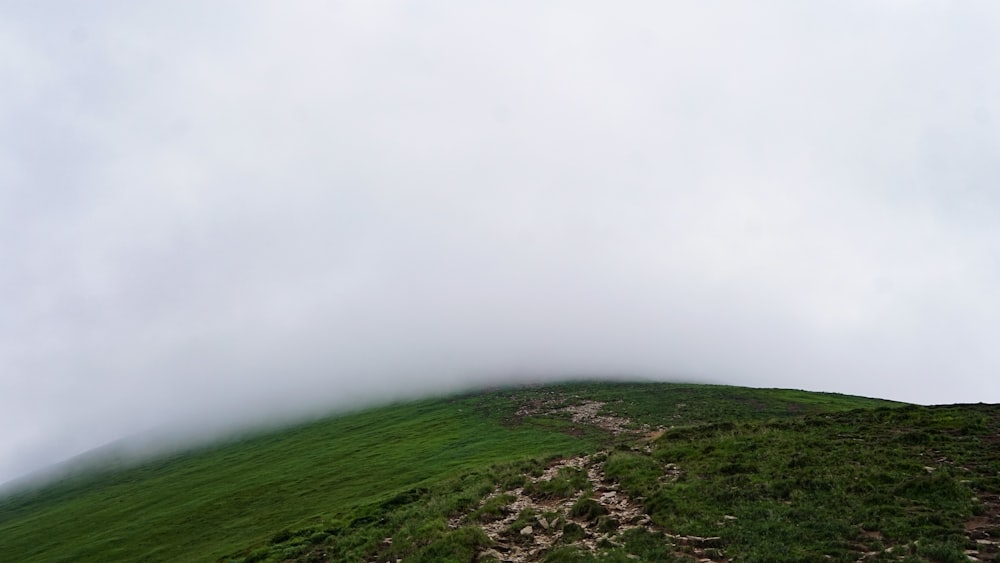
[(564, 484), (633, 470), (573, 532), (587, 508), (493, 509)]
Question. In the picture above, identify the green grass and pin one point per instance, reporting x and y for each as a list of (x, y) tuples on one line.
[(821, 474), (204, 505), (680, 404), (827, 485)]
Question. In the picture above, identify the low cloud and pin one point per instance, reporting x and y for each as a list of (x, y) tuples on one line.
[(228, 213)]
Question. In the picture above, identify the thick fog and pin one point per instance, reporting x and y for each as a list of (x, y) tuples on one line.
[(229, 212)]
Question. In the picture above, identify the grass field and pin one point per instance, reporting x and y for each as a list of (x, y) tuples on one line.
[(205, 504), (764, 474)]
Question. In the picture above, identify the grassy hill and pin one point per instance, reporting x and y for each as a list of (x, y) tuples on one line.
[(571, 472)]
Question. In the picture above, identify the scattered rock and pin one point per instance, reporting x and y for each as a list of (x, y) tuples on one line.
[(620, 512), (623, 513), (987, 542), (586, 412), (698, 541)]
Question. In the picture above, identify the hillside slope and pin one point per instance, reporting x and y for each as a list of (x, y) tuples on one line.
[(559, 473)]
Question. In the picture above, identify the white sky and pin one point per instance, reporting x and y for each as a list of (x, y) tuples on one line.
[(225, 211)]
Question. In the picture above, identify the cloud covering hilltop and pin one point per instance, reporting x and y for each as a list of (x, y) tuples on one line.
[(231, 211)]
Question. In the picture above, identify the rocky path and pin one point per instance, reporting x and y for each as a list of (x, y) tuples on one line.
[(591, 518), (981, 530), (584, 412)]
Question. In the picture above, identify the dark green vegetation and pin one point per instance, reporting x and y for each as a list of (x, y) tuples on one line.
[(920, 480), (759, 475)]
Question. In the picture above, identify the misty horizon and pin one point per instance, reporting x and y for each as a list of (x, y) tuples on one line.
[(179, 437), (217, 216)]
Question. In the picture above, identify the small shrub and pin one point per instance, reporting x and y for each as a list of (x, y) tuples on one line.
[(607, 524), (573, 532), (588, 508)]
